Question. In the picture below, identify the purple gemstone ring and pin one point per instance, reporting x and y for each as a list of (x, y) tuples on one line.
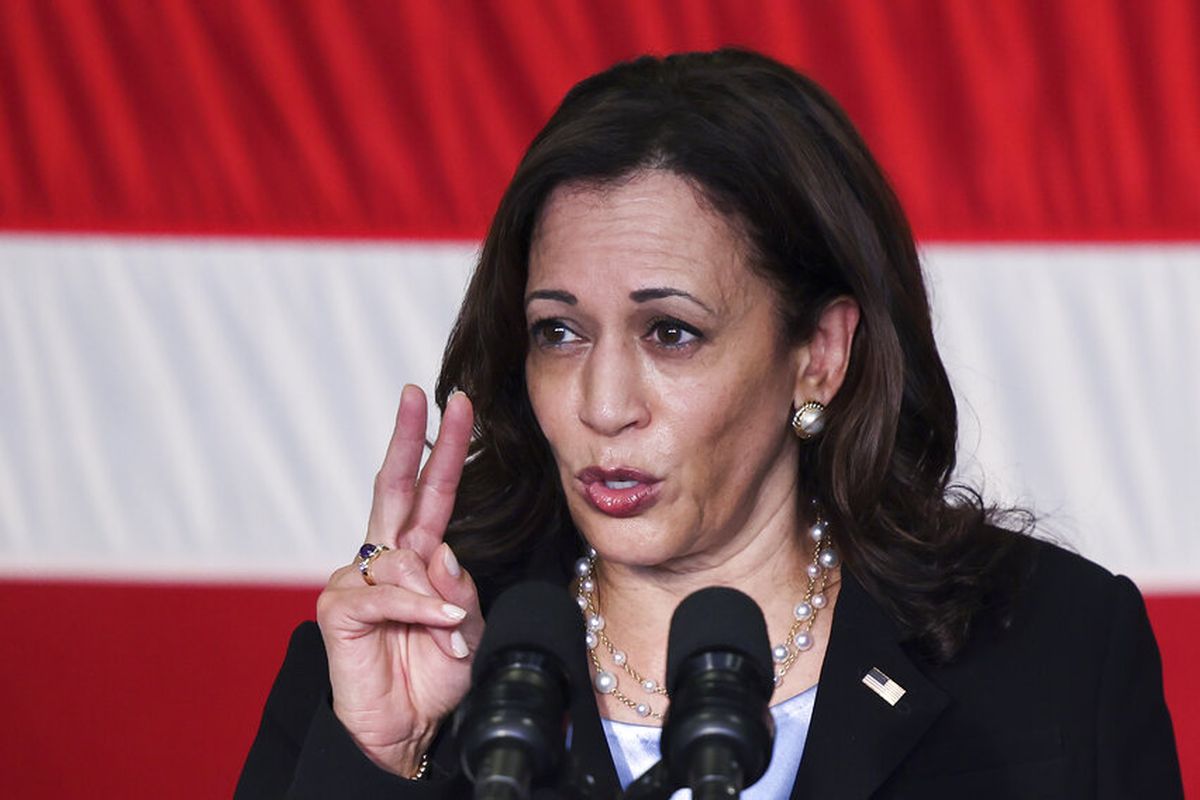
[(367, 554)]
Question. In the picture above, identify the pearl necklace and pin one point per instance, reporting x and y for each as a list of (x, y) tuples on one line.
[(799, 637)]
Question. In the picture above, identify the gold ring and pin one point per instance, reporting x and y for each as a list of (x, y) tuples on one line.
[(367, 554)]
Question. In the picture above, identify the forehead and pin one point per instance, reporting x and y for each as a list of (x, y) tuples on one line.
[(651, 227)]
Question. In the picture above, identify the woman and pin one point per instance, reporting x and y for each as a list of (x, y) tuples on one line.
[(698, 351)]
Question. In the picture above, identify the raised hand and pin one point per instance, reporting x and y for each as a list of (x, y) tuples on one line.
[(399, 651)]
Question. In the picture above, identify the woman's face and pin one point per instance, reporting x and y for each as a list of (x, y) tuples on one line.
[(658, 374)]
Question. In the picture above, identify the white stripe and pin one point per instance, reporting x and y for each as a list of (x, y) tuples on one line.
[(193, 407), (1078, 375), (202, 408)]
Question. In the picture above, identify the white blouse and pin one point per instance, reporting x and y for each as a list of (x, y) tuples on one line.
[(635, 749)]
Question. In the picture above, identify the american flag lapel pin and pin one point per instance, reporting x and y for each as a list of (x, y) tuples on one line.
[(882, 685)]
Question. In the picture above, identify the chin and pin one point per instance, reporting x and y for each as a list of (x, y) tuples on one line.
[(634, 542)]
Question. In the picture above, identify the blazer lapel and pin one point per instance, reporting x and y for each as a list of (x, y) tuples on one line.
[(856, 737), (589, 759), (589, 748)]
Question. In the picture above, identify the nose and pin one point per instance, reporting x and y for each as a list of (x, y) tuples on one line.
[(614, 390)]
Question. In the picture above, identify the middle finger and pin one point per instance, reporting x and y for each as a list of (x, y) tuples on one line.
[(438, 484)]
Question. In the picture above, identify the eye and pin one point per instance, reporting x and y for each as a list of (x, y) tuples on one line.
[(552, 333), (672, 333)]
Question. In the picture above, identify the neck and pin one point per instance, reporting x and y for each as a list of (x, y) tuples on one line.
[(637, 603), (769, 550), (639, 600)]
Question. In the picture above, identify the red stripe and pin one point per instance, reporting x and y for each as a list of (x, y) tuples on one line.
[(1175, 619), (118, 691), (1024, 120), (128, 690)]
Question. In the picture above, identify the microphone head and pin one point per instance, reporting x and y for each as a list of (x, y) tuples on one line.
[(535, 615), (719, 619), (528, 668)]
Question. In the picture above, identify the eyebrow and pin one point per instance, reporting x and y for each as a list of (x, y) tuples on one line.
[(551, 294), (659, 292), (637, 296)]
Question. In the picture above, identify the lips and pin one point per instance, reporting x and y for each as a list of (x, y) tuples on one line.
[(619, 492)]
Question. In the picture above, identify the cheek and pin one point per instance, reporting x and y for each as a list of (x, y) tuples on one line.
[(697, 435), (737, 400), (725, 439), (548, 398)]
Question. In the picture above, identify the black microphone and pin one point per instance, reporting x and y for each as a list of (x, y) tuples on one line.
[(718, 732), (530, 662)]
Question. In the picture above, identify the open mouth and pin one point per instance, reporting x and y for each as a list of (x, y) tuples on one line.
[(620, 492)]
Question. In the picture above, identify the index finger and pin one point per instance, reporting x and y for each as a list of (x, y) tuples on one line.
[(396, 481), (438, 483)]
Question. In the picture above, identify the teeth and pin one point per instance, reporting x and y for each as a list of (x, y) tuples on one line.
[(620, 484)]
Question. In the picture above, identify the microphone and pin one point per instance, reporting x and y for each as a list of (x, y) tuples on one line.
[(718, 732), (513, 724)]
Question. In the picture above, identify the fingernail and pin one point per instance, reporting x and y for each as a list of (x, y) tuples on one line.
[(451, 562), (459, 645), (454, 612)]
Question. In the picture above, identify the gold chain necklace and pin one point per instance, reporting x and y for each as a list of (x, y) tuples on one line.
[(785, 654)]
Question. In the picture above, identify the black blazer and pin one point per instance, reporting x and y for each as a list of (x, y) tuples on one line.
[(1066, 702)]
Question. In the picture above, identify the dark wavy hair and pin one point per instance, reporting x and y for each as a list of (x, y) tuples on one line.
[(772, 151)]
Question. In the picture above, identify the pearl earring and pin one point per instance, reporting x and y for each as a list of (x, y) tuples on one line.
[(809, 419)]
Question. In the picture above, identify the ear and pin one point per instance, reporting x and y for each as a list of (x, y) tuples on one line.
[(825, 357)]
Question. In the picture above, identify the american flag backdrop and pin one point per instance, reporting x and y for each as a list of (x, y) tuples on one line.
[(231, 231)]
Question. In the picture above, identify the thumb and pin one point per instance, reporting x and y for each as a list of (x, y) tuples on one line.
[(456, 586)]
